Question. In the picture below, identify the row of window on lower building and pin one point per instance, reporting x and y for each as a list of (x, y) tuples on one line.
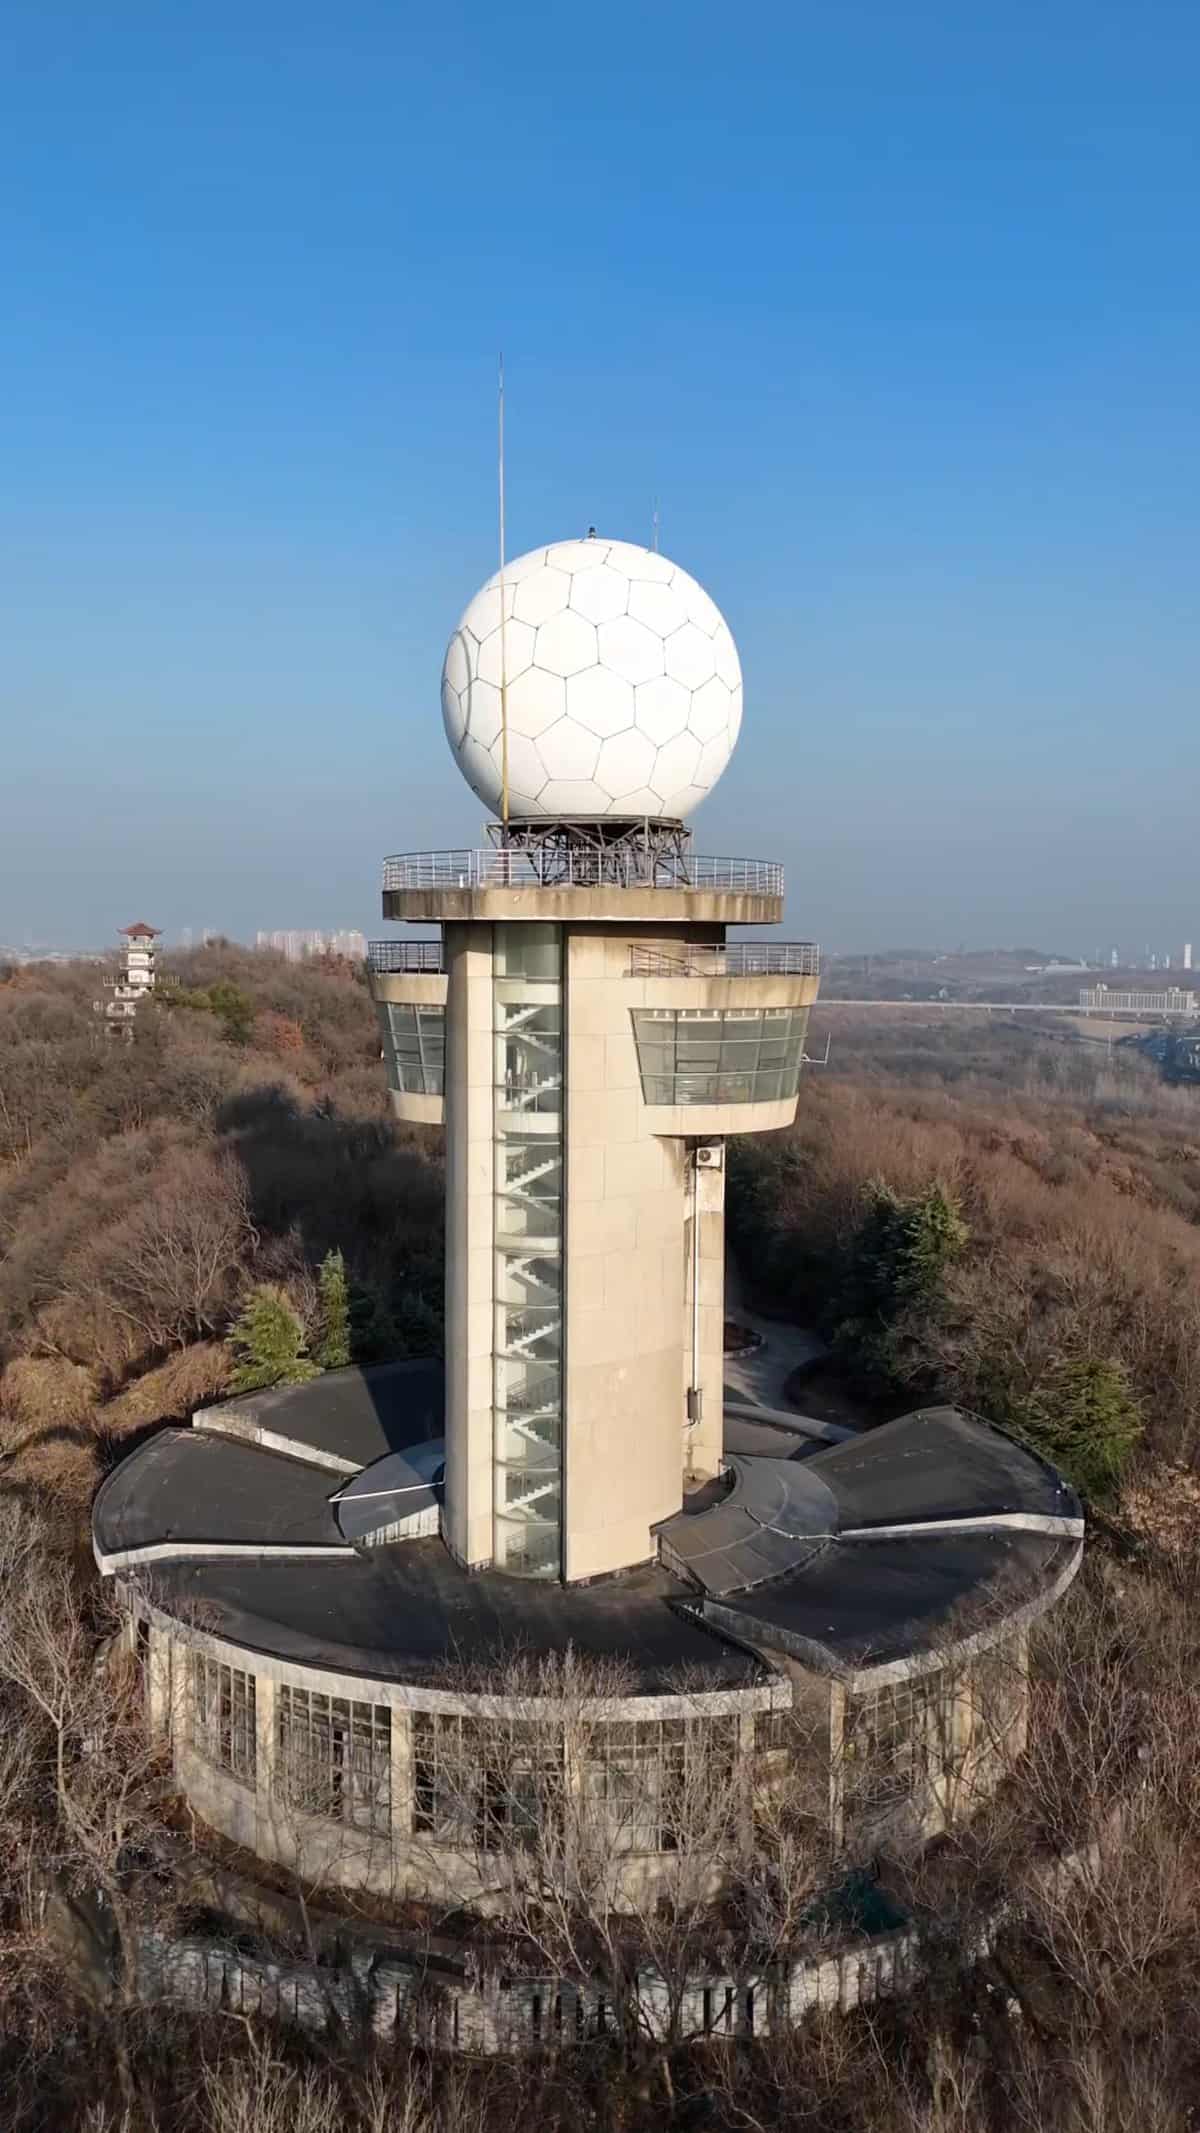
[(649, 1780), (471, 1784)]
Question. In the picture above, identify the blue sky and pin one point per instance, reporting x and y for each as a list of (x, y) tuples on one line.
[(894, 308)]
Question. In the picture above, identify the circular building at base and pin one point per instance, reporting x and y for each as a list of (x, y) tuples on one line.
[(345, 1700)]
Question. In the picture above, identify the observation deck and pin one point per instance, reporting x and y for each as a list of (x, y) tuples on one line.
[(564, 882)]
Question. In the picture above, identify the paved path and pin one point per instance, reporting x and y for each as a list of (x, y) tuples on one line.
[(757, 1381), (760, 1375)]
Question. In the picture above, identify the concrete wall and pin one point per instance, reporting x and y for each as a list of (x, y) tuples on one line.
[(440, 2006), (664, 909), (625, 1278)]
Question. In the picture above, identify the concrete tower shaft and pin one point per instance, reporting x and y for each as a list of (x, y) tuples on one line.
[(590, 1043)]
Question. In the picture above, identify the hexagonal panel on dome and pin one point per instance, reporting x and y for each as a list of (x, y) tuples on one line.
[(535, 701), (609, 659), (624, 765), (663, 708), (713, 757), (480, 706), (566, 644), (601, 701), (662, 607), (571, 796), (729, 666), (580, 555), (452, 717), (681, 803), (702, 611), (690, 657), (709, 714), (568, 750), (646, 563), (677, 764), (526, 771), (542, 594), (631, 649), (600, 595), (506, 652), (518, 567), (456, 667)]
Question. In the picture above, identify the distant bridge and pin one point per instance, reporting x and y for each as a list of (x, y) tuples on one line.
[(1019, 1007)]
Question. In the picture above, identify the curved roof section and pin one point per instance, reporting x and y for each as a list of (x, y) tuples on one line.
[(935, 1464), (344, 1418), (886, 1551), (905, 1605), (409, 1613), (190, 1492)]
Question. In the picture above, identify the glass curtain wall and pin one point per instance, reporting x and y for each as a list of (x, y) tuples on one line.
[(527, 1370), (696, 1056), (414, 1044)]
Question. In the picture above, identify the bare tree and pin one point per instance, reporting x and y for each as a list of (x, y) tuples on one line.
[(88, 1772), (627, 1856)]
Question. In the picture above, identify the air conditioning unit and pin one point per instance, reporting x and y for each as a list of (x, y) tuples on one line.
[(710, 1155)]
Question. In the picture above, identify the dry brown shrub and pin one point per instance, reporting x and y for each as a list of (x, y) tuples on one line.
[(171, 1393), (45, 1392), (1084, 1228)]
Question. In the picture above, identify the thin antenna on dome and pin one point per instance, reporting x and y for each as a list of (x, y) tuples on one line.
[(503, 645), (654, 542)]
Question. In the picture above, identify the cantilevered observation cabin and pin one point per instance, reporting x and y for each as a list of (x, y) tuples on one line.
[(590, 1037)]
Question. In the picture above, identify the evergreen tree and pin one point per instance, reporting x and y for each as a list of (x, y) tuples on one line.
[(234, 1010), (333, 1348), (895, 1267), (268, 1343), (1085, 1419)]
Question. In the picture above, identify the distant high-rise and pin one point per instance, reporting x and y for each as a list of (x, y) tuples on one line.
[(1187, 955), (297, 945)]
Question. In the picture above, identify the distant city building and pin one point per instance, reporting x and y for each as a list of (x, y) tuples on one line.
[(298, 946), (1187, 955), (137, 978), (1106, 1000)]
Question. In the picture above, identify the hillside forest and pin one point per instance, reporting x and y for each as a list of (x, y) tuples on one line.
[(982, 1213)]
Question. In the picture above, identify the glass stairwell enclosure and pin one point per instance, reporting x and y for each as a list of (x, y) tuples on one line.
[(527, 1351)]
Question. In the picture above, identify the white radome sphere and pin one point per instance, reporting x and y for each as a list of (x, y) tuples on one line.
[(623, 689)]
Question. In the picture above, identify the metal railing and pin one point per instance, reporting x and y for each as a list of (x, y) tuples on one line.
[(740, 959), (617, 866), (412, 956)]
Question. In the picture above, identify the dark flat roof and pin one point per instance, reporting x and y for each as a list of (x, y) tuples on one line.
[(938, 1463), (355, 1414), (192, 1487), (866, 1603), (773, 1565), (408, 1613)]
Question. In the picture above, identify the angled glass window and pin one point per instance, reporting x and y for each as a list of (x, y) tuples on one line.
[(703, 1057), (414, 1047)]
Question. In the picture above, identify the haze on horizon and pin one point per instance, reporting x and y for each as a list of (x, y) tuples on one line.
[(895, 312)]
